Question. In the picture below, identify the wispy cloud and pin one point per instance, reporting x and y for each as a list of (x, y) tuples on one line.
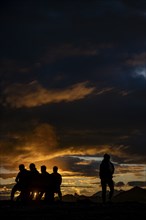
[(137, 59), (68, 50), (42, 144), (33, 94)]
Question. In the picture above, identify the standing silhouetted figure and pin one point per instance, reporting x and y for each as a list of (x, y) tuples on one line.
[(106, 172), (21, 183), (57, 180)]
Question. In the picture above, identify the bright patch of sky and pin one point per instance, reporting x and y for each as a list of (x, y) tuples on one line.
[(133, 165), (141, 72), (89, 158), (7, 181), (5, 171)]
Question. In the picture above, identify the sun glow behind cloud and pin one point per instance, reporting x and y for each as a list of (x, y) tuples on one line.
[(76, 182), (78, 164)]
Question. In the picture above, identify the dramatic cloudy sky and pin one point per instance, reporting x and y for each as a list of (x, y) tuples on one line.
[(73, 87)]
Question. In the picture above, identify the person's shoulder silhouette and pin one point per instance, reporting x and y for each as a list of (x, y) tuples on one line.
[(57, 175), (44, 174), (33, 168), (22, 174), (106, 167)]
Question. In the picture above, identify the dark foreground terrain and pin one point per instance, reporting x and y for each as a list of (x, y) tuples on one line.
[(73, 211)]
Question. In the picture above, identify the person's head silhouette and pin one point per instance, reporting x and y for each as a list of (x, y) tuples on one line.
[(55, 169), (106, 157), (21, 167), (43, 168), (32, 166)]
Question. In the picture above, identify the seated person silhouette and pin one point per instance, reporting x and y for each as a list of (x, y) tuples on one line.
[(33, 181), (57, 181), (21, 183), (46, 185)]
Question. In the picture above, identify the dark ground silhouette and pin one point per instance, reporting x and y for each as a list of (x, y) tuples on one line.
[(129, 205), (73, 210)]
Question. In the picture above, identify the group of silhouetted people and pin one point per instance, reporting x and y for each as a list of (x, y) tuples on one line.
[(33, 185)]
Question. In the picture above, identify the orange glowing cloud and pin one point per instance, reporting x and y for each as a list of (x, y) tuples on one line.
[(26, 147), (33, 94), (41, 144)]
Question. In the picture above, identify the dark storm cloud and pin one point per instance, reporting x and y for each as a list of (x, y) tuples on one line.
[(80, 167), (76, 67)]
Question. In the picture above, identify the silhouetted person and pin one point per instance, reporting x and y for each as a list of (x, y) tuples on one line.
[(57, 180), (46, 186), (34, 183), (106, 172), (21, 183)]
